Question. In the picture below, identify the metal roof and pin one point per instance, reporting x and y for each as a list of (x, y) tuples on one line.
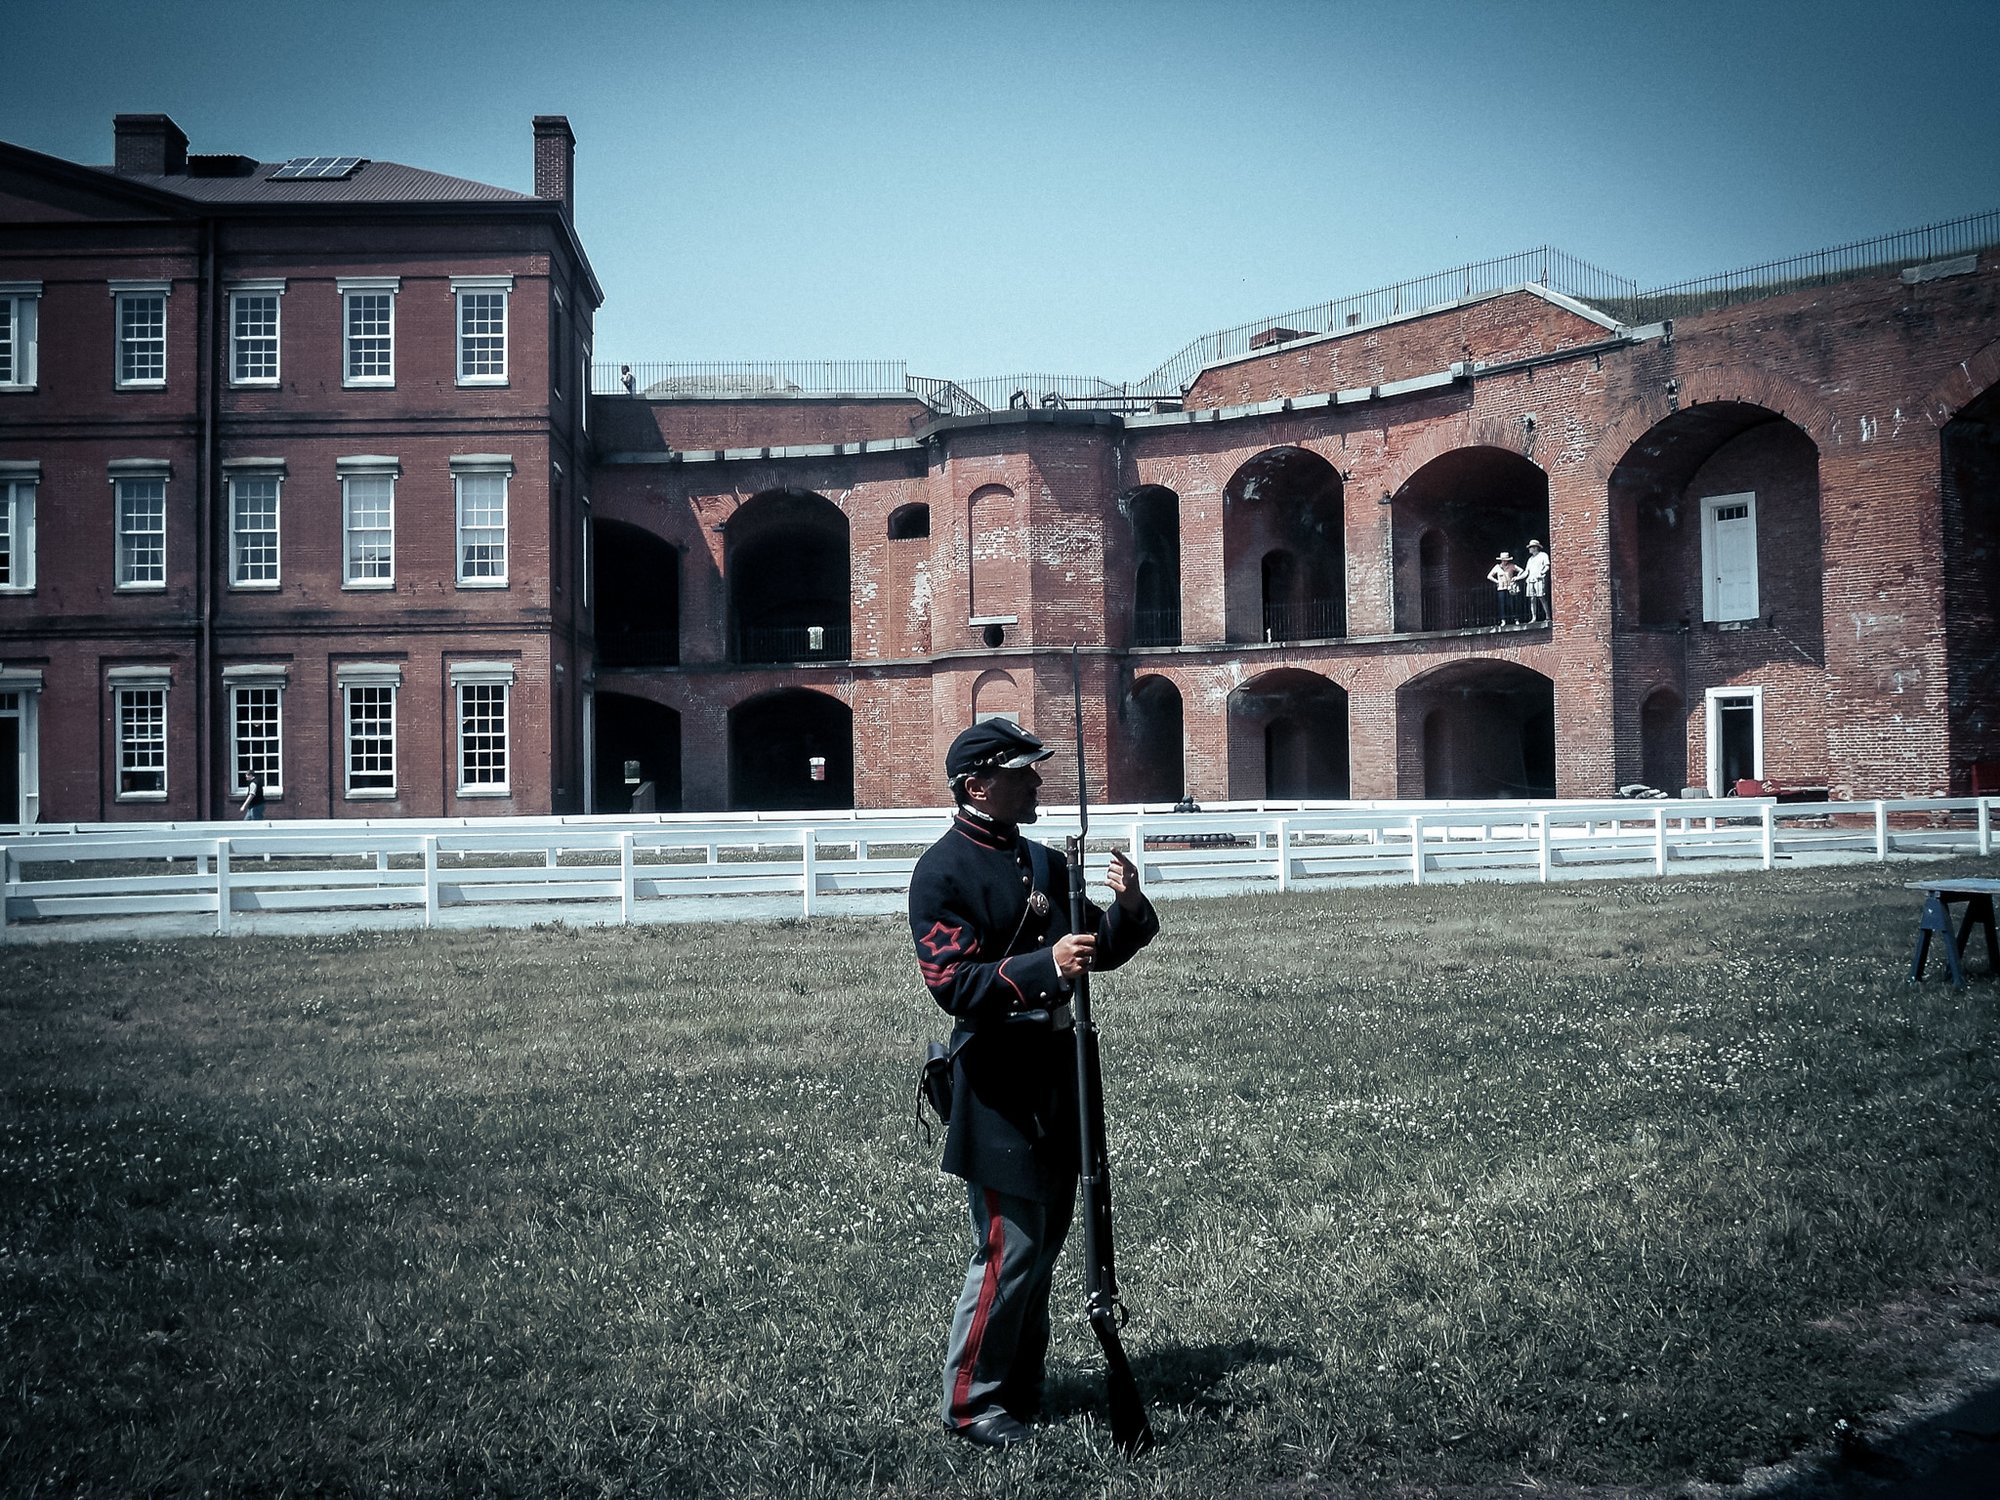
[(375, 182)]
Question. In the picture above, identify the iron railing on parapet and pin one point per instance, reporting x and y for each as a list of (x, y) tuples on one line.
[(1882, 255), (750, 378), (1546, 266)]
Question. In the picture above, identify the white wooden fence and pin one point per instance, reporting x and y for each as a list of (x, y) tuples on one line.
[(606, 865)]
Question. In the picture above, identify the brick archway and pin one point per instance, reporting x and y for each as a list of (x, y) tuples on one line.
[(1773, 393), (1461, 432), (1968, 381)]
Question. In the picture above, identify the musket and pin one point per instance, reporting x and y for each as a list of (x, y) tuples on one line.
[(1130, 1429)]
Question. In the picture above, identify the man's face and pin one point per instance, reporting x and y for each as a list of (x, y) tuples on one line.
[(1007, 796)]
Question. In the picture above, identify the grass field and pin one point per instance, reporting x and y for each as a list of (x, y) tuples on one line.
[(1459, 1187)]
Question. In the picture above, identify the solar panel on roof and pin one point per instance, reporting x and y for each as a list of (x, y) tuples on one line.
[(318, 169)]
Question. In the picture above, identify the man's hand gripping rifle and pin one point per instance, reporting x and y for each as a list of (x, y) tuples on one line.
[(1130, 1429)]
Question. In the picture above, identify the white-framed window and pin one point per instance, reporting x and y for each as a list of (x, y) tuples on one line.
[(17, 526), (1735, 737), (141, 355), (481, 691), (140, 504), (139, 699), (256, 727), (253, 524), (482, 328), (368, 522), (368, 330), (368, 713), (253, 332), (20, 303), (480, 481), (1729, 557)]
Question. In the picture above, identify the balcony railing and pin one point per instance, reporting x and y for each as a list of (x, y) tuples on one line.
[(1475, 608), (1314, 620), (1156, 627), (776, 643)]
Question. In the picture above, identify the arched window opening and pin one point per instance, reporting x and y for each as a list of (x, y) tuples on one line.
[(790, 751), (638, 593), (909, 522), (1156, 539), (1453, 518), (1157, 771), (638, 755), (1287, 501), (1479, 731), (787, 569), (1288, 738)]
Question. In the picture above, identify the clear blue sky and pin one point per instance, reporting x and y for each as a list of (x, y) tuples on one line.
[(1073, 188)]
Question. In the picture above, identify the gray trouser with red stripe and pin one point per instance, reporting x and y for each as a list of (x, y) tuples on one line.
[(1000, 1330)]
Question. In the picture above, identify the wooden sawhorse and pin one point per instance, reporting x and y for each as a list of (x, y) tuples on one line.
[(1939, 898)]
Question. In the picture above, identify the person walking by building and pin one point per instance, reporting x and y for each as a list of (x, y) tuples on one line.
[(252, 806), (989, 914), (627, 379), (1535, 579), (1505, 576)]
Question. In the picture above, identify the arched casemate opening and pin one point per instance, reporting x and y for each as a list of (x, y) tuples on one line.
[(1478, 731), (1971, 493), (1452, 520), (1715, 519), (791, 750), (1663, 741), (1156, 770), (638, 760), (1155, 512), (1288, 738), (1284, 549), (906, 591), (786, 563), (638, 597)]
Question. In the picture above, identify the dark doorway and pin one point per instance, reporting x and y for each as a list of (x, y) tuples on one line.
[(11, 810), (638, 600), (1735, 741), (1285, 548), (1480, 731), (791, 751), (636, 737), (787, 568), (1158, 771), (1288, 738), (1156, 538), (1663, 742)]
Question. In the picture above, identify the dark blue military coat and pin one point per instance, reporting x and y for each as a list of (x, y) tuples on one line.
[(985, 952)]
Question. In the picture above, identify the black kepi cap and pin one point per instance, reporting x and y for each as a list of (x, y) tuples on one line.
[(993, 745)]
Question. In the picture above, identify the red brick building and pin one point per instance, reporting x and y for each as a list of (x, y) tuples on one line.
[(1773, 510), (293, 459), (300, 479)]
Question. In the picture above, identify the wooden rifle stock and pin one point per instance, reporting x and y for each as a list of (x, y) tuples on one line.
[(1130, 1429)]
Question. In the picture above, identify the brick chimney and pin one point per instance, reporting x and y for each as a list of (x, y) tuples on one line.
[(148, 146), (555, 160)]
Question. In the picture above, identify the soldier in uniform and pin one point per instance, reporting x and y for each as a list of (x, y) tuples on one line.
[(989, 910)]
